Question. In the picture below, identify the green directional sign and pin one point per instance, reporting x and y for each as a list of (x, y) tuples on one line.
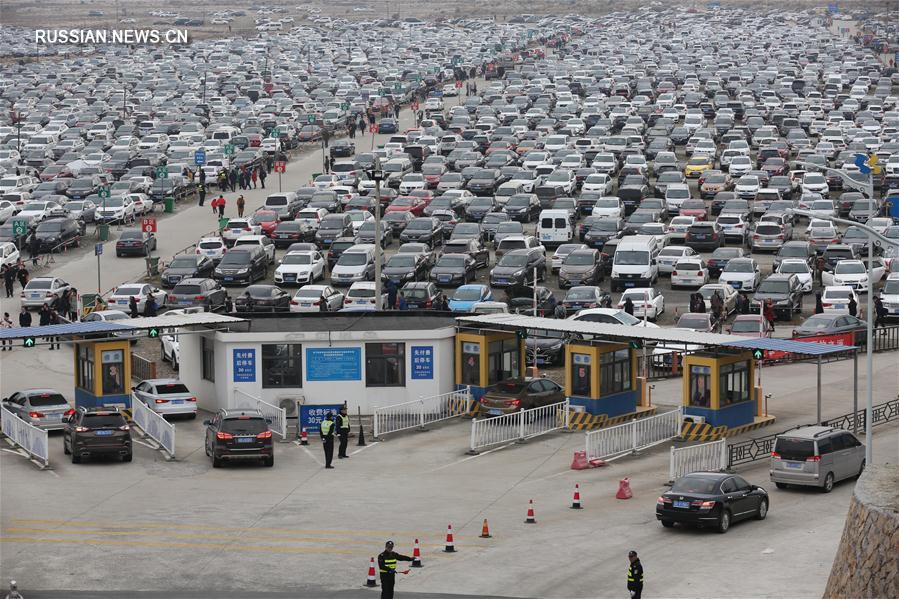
[(154, 333), (228, 149), (418, 78), (758, 354), (345, 106), (397, 86), (162, 172), (310, 119), (19, 227), (521, 333), (103, 192), (457, 60), (274, 134), (29, 342), (635, 344)]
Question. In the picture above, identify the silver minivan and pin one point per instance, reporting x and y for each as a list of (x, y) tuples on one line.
[(354, 265), (816, 456)]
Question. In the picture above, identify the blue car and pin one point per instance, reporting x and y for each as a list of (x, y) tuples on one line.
[(467, 296), (388, 126)]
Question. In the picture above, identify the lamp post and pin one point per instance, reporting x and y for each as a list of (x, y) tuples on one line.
[(377, 175), (869, 345)]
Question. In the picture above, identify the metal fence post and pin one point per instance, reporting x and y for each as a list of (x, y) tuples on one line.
[(375, 426), (521, 426), (471, 443), (671, 464), (634, 436), (723, 457), (567, 414), (421, 413)]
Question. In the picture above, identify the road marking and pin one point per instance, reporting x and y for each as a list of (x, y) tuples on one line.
[(18, 452), (463, 460), (364, 448), (145, 444), (311, 455), (230, 546)]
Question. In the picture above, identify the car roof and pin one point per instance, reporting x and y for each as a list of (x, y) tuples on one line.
[(162, 381), (236, 413), (808, 432)]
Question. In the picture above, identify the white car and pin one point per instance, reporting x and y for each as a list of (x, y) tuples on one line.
[(562, 252), (657, 230), (880, 223), (316, 298), (689, 272), (212, 247), (835, 299), (359, 218), (7, 210), (312, 217), (678, 226), (800, 268), (326, 181), (747, 187), (646, 301), (741, 273), (120, 298), (852, 273), (412, 182), (361, 294), (727, 293), (40, 291), (167, 397), (236, 227), (142, 203), (9, 253), (610, 316), (890, 294), (38, 211), (670, 255), (607, 207), (300, 268), (115, 210), (600, 182)]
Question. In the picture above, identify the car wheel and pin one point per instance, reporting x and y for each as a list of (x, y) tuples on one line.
[(861, 469), (781, 485), (667, 523), (76, 459), (127, 457), (175, 365), (763, 510), (828, 483), (724, 522), (206, 449), (216, 461), (269, 461), (65, 448)]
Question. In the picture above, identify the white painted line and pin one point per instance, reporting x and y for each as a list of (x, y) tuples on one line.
[(463, 460), (145, 444), (363, 448), (311, 455), (18, 452)]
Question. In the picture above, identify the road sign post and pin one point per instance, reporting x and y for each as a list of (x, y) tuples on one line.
[(200, 157), (98, 251), (280, 167), (148, 225)]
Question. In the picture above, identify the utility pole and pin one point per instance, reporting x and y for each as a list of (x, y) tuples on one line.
[(377, 175), (204, 87)]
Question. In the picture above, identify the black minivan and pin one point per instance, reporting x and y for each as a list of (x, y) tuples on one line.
[(243, 265), (239, 435)]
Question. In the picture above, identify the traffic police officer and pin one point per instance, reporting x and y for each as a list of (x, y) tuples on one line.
[(343, 432), (327, 434), (387, 565), (634, 575)]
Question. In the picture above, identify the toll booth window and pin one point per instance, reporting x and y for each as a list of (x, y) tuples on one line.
[(471, 364), (113, 369), (207, 359), (733, 385), (503, 360), (701, 386), (615, 372), (86, 368), (282, 365), (580, 375), (385, 364)]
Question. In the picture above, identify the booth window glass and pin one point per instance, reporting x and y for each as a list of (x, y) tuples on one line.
[(701, 386), (471, 364), (503, 360), (113, 369), (615, 372), (86, 368), (282, 365), (385, 364), (208, 359), (580, 375), (733, 384)]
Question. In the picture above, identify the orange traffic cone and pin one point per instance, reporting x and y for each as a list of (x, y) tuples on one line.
[(576, 502), (371, 581), (304, 437), (450, 546), (485, 530), (624, 489), (530, 519), (416, 555)]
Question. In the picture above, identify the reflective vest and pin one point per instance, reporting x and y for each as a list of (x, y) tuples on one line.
[(389, 565), (631, 574), (326, 427), (344, 421)]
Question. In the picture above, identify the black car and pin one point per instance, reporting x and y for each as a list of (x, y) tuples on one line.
[(242, 434), (57, 234), (173, 186), (523, 207), (784, 290), (333, 226), (491, 221), (135, 241), (82, 187), (483, 182), (97, 431), (520, 299), (342, 148), (468, 231), (423, 229), (421, 295), (586, 296), (197, 292), (454, 269), (714, 499), (396, 222), (244, 265), (472, 247), (546, 347), (704, 235), (717, 262), (339, 246), (637, 219), (795, 249), (186, 266), (401, 268), (262, 298), (602, 230), (517, 268), (289, 232), (479, 207)]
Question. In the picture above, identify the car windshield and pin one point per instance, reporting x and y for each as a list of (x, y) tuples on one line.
[(774, 287), (794, 267), (401, 261), (186, 290), (103, 420), (738, 266), (579, 259), (703, 485), (745, 326), (244, 426), (126, 290), (891, 287), (510, 387), (171, 389), (467, 294), (451, 260), (849, 268), (416, 293), (692, 321), (581, 293), (631, 258), (837, 294), (513, 260), (818, 322), (352, 259), (45, 400), (297, 259), (265, 217), (236, 259), (183, 262)]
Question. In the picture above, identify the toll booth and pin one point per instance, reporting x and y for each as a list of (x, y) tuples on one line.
[(102, 373), (602, 378), (486, 358), (719, 388)]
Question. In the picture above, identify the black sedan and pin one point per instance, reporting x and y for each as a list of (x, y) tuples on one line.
[(262, 298), (713, 499), (135, 241), (422, 295), (342, 148), (454, 269), (521, 300), (185, 267), (401, 268)]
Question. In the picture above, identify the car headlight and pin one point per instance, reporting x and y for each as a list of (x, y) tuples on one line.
[(518, 273), (243, 270)]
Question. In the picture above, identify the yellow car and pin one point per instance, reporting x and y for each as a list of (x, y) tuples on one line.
[(698, 165)]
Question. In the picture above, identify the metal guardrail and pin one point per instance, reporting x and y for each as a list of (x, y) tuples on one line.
[(706, 457), (156, 427), (633, 436), (518, 426), (420, 412), (276, 417), (29, 437), (760, 448), (886, 338), (142, 368)]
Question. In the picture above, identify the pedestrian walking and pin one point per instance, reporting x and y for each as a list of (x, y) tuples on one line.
[(853, 306), (54, 319), (34, 247), (387, 561), (232, 178), (202, 176), (6, 323), (343, 432), (331, 162), (150, 306), (9, 278), (634, 575), (327, 434), (44, 319), (132, 307), (64, 305), (819, 305), (391, 294), (768, 313), (241, 203), (73, 305), (820, 267), (742, 304), (24, 318), (220, 204), (396, 111), (881, 314), (629, 305), (361, 126), (22, 273), (253, 177), (262, 176)]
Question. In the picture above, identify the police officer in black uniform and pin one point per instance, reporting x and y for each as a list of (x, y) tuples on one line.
[(343, 432), (327, 434), (387, 566), (634, 575)]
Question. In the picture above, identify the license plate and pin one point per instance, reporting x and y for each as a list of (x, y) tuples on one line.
[(793, 465), (495, 412), (122, 302), (896, 311), (682, 504), (246, 439), (184, 303), (290, 277), (443, 279), (104, 433), (177, 401), (306, 304), (629, 284), (840, 306), (35, 296), (736, 284), (547, 237), (361, 302), (229, 278)]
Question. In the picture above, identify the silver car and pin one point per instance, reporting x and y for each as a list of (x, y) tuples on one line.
[(40, 291), (816, 456), (44, 408), (167, 397)]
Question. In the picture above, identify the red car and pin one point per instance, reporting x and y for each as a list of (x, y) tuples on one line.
[(407, 204), (424, 195), (750, 325), (255, 139), (268, 220), (775, 167), (695, 208)]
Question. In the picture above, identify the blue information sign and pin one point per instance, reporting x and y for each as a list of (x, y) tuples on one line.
[(244, 365), (200, 157), (311, 416), (334, 364), (98, 249), (422, 362)]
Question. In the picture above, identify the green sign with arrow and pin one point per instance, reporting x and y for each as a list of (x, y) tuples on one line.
[(29, 342), (310, 119), (345, 106), (635, 344), (154, 333), (758, 354)]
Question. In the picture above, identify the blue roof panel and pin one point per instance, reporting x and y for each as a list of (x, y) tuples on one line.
[(58, 330), (808, 348)]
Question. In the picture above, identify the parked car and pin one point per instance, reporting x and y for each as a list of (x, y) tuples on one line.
[(831, 323), (239, 435), (816, 456), (198, 292), (186, 266), (646, 300), (316, 298), (262, 298), (784, 290), (513, 395), (45, 409), (713, 499), (166, 397), (750, 325), (135, 241)]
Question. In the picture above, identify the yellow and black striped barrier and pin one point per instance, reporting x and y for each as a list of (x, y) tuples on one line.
[(701, 431)]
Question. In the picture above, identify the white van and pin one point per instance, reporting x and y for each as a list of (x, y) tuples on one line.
[(554, 227), (225, 134), (634, 264)]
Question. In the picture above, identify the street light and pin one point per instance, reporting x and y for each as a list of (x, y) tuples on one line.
[(869, 346), (376, 174)]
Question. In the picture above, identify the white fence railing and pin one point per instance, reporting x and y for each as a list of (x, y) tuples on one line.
[(420, 412), (707, 457), (276, 416), (518, 426), (633, 436), (156, 427), (30, 438)]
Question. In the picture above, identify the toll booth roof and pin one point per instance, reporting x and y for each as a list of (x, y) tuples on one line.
[(809, 348), (75, 329), (352, 321)]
